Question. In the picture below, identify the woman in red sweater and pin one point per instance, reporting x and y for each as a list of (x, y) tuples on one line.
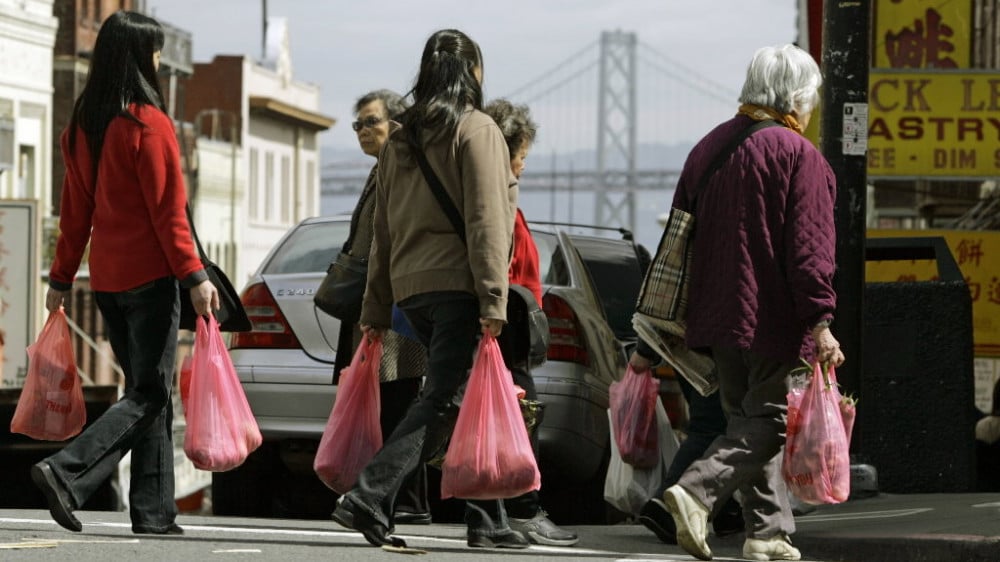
[(124, 194), (525, 512)]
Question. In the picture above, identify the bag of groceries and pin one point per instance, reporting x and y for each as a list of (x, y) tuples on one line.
[(221, 430), (489, 456)]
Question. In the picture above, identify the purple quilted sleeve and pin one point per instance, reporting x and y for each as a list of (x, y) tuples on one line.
[(810, 237)]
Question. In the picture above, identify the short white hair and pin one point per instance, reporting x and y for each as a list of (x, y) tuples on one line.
[(783, 78)]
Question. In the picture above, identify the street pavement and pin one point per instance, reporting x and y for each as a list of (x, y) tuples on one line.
[(911, 528)]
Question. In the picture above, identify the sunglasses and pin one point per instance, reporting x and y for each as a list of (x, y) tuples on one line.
[(366, 122)]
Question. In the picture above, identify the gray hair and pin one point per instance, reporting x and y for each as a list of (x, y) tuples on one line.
[(784, 78), (394, 103), (514, 121)]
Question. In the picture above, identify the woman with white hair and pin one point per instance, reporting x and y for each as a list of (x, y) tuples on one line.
[(761, 295)]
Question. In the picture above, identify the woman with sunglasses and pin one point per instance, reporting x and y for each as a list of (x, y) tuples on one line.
[(403, 363), (450, 285)]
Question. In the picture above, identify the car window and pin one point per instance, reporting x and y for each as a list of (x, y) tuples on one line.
[(617, 274), (309, 248), (551, 265)]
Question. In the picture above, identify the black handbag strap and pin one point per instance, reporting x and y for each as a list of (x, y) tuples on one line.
[(366, 193), (443, 199), (194, 233), (724, 154)]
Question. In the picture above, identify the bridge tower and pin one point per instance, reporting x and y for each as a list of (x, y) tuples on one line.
[(616, 130)]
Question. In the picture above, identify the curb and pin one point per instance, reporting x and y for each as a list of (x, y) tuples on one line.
[(901, 548)]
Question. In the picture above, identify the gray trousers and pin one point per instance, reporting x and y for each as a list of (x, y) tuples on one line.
[(748, 456)]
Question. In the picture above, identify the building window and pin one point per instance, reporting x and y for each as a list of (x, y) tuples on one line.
[(26, 173), (311, 204), (6, 143), (253, 188), (269, 196), (287, 191)]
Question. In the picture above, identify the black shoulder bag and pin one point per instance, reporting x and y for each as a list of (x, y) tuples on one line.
[(521, 345), (231, 315)]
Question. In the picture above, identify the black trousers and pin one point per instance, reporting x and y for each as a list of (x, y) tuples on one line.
[(447, 324)]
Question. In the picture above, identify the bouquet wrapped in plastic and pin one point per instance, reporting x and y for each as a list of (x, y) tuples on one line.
[(817, 463)]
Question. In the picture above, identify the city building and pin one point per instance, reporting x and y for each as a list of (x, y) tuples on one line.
[(26, 42), (255, 169), (27, 38)]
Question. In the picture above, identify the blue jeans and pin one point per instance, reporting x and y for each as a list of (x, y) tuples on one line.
[(706, 421), (447, 324), (141, 325)]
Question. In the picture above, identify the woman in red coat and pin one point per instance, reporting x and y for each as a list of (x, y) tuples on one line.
[(526, 515)]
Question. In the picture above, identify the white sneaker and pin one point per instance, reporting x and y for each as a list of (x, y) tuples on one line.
[(778, 547), (691, 518)]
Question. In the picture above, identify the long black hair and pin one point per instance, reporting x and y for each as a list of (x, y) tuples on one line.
[(446, 84), (121, 73)]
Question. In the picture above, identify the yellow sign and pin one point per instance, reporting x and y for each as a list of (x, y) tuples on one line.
[(922, 33), (944, 124), (977, 253)]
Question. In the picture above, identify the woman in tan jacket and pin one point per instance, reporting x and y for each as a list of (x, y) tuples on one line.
[(450, 282)]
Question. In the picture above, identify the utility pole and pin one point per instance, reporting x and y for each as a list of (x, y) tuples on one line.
[(845, 62), (263, 29)]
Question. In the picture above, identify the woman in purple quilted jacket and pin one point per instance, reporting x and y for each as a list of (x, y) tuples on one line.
[(761, 294)]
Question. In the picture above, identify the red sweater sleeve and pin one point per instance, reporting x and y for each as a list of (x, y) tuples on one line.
[(524, 265), (158, 161), (76, 210)]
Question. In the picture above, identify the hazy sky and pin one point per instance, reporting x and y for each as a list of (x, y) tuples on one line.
[(350, 47)]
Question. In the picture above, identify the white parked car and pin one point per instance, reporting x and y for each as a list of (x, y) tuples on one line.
[(285, 363)]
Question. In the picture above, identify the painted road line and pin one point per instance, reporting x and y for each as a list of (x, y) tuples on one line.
[(26, 544), (861, 515), (263, 531), (988, 504)]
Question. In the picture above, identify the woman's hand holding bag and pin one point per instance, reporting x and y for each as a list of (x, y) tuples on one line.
[(353, 434), (490, 455), (221, 430)]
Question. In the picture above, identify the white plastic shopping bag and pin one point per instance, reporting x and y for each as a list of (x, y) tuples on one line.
[(627, 488)]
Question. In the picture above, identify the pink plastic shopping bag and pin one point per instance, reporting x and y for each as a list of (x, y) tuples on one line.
[(51, 405), (489, 456), (817, 463), (632, 402), (221, 430), (353, 434)]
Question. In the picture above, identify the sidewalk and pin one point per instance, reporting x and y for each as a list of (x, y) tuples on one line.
[(910, 528)]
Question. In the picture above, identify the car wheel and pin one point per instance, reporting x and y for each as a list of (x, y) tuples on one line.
[(246, 490), (581, 504)]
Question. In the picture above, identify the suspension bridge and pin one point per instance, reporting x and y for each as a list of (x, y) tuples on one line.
[(614, 117)]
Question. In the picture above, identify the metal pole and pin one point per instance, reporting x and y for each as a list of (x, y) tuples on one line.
[(846, 59), (263, 27), (232, 194)]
